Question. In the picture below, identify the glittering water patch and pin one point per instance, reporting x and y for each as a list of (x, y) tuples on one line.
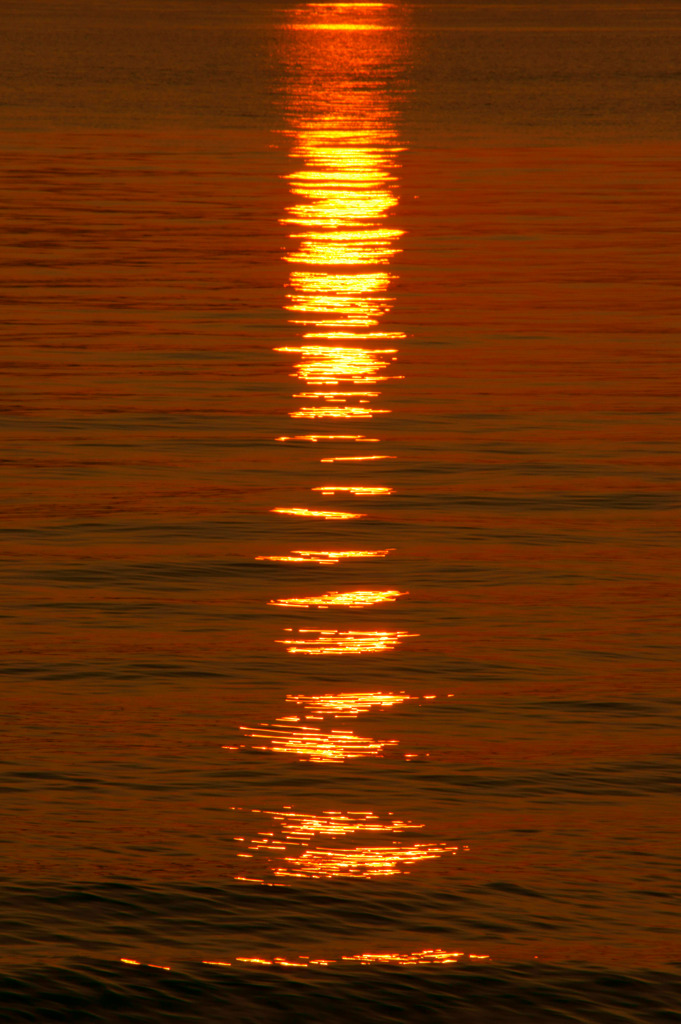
[(334, 641), (285, 736), (348, 705), (346, 599)]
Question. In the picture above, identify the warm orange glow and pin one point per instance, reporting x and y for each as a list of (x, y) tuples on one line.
[(340, 218), (333, 641), (328, 437), (333, 365), (299, 826), (288, 851), (322, 557), (364, 862), (318, 513), (337, 396), (140, 963), (432, 957), (334, 412), (348, 705), (425, 956), (312, 744), (322, 26), (350, 599), (349, 247), (331, 489), (357, 458)]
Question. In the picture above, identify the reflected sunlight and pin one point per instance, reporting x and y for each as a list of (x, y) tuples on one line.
[(322, 557), (304, 826), (348, 705), (362, 862), (318, 513), (310, 743), (331, 489), (349, 599), (328, 437), (333, 641)]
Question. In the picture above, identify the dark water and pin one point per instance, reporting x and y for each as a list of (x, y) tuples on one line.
[(340, 512)]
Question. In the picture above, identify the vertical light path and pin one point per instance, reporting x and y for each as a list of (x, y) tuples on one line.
[(343, 235)]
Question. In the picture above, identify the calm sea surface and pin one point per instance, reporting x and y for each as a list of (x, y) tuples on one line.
[(339, 517)]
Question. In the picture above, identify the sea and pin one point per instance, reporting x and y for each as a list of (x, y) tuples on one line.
[(339, 522)]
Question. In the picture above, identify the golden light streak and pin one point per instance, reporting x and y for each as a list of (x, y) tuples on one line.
[(322, 557), (339, 207), (352, 335), (336, 642), (332, 396), (318, 513), (323, 26), (310, 743), (328, 437), (348, 599), (357, 458), (140, 963), (338, 364), (423, 957), (349, 248), (343, 194), (330, 489), (338, 300), (348, 705), (301, 826), (344, 412), (363, 862)]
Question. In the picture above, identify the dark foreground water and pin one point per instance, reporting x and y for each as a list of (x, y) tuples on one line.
[(340, 512)]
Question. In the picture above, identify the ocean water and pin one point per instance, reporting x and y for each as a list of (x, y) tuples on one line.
[(340, 512)]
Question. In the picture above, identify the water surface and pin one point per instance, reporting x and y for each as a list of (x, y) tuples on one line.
[(340, 517)]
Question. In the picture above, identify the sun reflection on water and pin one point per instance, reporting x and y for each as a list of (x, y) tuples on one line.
[(299, 825), (328, 437), (330, 489), (421, 958), (305, 845), (318, 513), (349, 599), (348, 705), (340, 291), (357, 458), (334, 641), (333, 412), (361, 861), (343, 194), (334, 365), (322, 557), (309, 743)]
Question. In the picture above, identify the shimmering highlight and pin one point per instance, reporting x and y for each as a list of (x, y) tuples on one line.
[(360, 862), (348, 705), (318, 513), (333, 641), (329, 490), (322, 557), (312, 744), (348, 599)]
